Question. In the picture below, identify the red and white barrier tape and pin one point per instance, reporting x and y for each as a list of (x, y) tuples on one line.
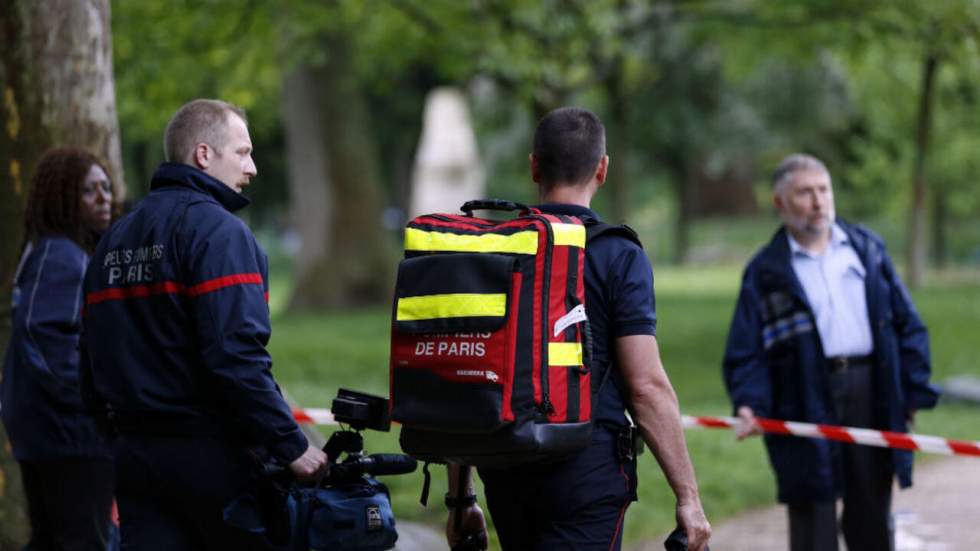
[(311, 416), (869, 437)]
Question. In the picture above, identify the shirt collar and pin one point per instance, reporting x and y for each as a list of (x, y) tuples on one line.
[(838, 239), (568, 210)]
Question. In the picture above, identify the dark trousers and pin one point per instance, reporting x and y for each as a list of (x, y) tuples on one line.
[(578, 504), (172, 493), (866, 518), (69, 503)]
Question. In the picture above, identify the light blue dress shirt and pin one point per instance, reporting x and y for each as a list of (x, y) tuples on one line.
[(834, 286)]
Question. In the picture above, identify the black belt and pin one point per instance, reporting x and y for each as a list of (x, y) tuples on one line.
[(840, 364)]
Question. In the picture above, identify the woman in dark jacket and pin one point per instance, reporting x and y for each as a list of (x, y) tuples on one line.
[(65, 465)]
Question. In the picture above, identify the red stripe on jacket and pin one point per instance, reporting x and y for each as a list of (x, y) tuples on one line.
[(222, 282), (174, 288)]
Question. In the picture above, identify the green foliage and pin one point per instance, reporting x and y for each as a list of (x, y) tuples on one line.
[(168, 53), (682, 85), (886, 60)]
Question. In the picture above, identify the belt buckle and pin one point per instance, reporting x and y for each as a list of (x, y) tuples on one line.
[(839, 364)]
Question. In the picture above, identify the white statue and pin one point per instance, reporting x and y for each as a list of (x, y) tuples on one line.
[(447, 166)]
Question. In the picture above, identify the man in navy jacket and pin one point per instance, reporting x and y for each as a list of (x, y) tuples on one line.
[(825, 332), (176, 326)]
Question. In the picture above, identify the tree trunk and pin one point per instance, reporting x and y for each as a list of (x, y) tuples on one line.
[(618, 146), (683, 180), (56, 88), (940, 211), (311, 204), (359, 267), (916, 246), (685, 186)]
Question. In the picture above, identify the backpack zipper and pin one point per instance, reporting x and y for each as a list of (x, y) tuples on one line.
[(546, 406), (469, 221)]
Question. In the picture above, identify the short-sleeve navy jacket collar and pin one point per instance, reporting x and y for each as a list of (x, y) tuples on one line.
[(569, 210), (179, 174)]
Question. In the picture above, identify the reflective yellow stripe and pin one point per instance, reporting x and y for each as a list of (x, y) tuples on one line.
[(525, 242), (564, 353), (569, 234), (457, 305)]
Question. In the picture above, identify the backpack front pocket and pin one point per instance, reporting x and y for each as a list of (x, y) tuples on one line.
[(452, 341)]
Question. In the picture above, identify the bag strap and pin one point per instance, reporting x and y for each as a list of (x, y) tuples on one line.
[(594, 229), (494, 204)]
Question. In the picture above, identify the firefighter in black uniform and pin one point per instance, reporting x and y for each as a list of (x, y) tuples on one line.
[(176, 325), (579, 503)]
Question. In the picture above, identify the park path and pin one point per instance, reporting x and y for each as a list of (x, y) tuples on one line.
[(940, 513)]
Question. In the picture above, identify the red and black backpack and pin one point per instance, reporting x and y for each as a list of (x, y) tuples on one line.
[(490, 343)]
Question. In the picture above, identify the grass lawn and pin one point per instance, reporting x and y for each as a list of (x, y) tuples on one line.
[(315, 355)]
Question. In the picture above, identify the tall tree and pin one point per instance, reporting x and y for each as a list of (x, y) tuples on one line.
[(932, 36), (355, 267), (362, 95), (57, 89), (311, 201), (891, 46), (915, 255), (955, 201)]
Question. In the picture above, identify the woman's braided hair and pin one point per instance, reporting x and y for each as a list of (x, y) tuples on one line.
[(53, 201)]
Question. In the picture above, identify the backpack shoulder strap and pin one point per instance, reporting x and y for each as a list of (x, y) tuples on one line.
[(595, 228)]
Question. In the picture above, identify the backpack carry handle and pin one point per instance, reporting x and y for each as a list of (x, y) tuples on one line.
[(493, 204)]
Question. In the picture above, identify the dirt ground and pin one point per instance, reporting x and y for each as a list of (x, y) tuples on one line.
[(941, 512)]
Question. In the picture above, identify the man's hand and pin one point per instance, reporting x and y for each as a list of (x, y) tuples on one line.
[(311, 465), (690, 517), (471, 522), (749, 426)]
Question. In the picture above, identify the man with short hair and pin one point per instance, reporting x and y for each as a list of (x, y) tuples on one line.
[(579, 503), (176, 326), (825, 332)]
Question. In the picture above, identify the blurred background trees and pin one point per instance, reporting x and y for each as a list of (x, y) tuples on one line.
[(700, 99)]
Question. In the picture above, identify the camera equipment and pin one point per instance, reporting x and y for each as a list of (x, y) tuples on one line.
[(346, 511), (677, 541), (359, 411), (471, 542), (349, 509)]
